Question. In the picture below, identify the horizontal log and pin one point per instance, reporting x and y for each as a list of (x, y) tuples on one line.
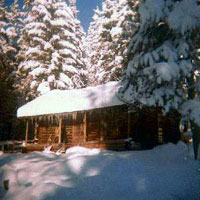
[(93, 138), (67, 129), (46, 133), (68, 132), (109, 144), (47, 129), (68, 135), (67, 139)]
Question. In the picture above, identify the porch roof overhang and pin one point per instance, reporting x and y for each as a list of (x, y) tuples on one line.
[(69, 101)]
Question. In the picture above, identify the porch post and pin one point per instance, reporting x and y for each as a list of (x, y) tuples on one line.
[(102, 129), (60, 130), (160, 138), (129, 125), (85, 126), (27, 131), (36, 130)]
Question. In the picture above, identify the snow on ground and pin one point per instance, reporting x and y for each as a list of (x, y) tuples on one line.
[(165, 172)]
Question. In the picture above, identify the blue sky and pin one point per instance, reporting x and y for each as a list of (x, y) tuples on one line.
[(85, 8), (86, 11)]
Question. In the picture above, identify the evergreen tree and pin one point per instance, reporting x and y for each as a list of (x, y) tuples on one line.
[(116, 24), (72, 4), (28, 3), (92, 44), (104, 50), (51, 55), (9, 29), (161, 68)]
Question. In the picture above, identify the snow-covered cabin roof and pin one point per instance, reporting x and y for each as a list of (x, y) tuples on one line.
[(63, 101)]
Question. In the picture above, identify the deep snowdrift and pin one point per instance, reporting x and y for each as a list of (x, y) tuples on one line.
[(166, 172)]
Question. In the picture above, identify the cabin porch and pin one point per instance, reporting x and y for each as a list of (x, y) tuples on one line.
[(100, 128), (105, 128)]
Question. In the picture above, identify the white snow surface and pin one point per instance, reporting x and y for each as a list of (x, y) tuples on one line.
[(167, 172), (62, 101)]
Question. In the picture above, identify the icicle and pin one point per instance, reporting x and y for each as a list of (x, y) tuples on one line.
[(70, 117), (57, 118), (51, 119), (32, 120), (73, 116), (40, 118)]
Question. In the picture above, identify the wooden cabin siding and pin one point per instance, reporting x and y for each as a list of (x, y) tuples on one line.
[(67, 130), (116, 124), (100, 125), (68, 134), (78, 133), (170, 127), (93, 126), (47, 134), (73, 131), (111, 124), (107, 128), (144, 127), (150, 128)]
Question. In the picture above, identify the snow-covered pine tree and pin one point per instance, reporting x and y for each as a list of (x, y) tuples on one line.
[(92, 44), (28, 3), (81, 35), (72, 4), (116, 36), (9, 29), (116, 24), (161, 67), (104, 52), (51, 54)]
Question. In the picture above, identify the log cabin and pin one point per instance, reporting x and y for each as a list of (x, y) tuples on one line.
[(93, 117)]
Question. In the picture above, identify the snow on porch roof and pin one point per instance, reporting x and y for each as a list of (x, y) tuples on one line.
[(63, 101)]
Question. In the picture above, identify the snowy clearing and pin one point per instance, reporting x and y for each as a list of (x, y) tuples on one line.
[(166, 172)]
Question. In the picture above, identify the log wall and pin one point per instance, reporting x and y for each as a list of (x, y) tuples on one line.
[(68, 133), (144, 127), (93, 126), (104, 128), (47, 134), (110, 124)]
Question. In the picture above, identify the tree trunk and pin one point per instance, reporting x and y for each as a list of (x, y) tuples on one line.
[(195, 138), (194, 127)]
